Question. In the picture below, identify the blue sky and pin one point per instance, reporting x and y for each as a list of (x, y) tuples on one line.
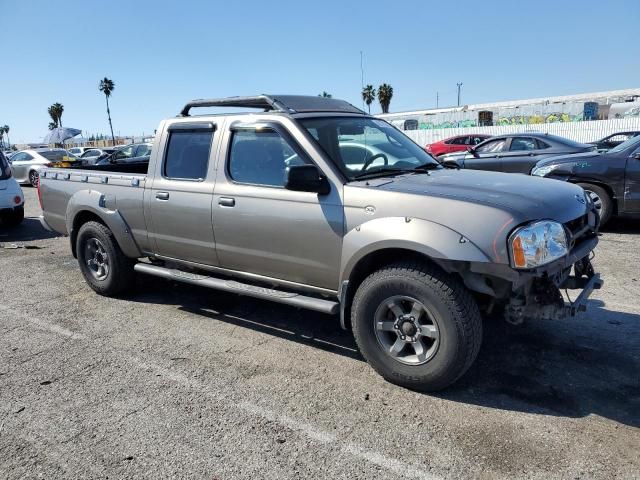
[(161, 54)]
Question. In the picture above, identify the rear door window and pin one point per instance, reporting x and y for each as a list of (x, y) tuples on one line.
[(54, 155), (187, 155), (519, 144)]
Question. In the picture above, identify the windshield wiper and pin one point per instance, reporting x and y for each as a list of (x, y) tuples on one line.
[(384, 172), (425, 167)]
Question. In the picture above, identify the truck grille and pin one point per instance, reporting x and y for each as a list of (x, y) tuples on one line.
[(577, 229)]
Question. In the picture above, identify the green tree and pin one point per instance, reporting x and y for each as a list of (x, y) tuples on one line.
[(325, 95), (368, 95), (1, 137), (385, 94), (52, 125), (107, 86)]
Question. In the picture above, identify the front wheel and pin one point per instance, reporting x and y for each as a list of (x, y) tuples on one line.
[(601, 200), (416, 325), (105, 268)]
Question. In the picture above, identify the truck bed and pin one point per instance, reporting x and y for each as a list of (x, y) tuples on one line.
[(65, 191)]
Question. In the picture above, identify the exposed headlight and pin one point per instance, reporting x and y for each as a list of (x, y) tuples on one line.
[(543, 171), (537, 244)]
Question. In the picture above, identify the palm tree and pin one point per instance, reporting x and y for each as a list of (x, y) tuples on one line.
[(52, 113), (325, 95), (106, 86), (385, 94), (2, 137), (55, 112), (368, 95), (58, 108), (6, 130)]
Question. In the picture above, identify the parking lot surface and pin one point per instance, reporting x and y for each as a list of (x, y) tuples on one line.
[(177, 381)]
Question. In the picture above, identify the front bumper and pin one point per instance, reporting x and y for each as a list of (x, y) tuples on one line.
[(542, 297)]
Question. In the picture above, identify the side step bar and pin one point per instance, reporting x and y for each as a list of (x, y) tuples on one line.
[(288, 298)]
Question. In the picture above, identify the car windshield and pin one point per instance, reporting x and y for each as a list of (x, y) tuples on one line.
[(633, 141), (363, 147)]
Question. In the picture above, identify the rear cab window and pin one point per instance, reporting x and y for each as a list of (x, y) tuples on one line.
[(55, 156)]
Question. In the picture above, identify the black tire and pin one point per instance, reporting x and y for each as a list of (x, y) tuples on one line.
[(454, 312), (34, 178), (14, 217), (601, 196), (118, 275)]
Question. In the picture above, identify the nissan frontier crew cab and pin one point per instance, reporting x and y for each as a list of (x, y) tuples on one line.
[(310, 202)]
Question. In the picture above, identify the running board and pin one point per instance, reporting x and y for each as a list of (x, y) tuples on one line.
[(279, 296)]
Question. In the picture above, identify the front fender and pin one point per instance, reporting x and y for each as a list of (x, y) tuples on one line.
[(429, 238), (103, 206)]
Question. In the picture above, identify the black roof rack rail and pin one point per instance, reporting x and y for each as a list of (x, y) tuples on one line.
[(277, 103)]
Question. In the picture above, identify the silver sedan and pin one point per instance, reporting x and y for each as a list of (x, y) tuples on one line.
[(27, 164)]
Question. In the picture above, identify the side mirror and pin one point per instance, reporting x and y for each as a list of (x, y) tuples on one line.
[(472, 151), (636, 155), (306, 178)]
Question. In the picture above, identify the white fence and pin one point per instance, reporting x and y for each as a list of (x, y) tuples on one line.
[(587, 131)]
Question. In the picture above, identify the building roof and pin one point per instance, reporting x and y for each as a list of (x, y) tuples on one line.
[(611, 96)]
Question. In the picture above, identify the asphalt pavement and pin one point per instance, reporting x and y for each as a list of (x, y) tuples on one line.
[(174, 381)]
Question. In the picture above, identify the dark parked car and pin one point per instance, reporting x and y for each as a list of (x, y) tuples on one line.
[(514, 153), (611, 178), (607, 143), (132, 153)]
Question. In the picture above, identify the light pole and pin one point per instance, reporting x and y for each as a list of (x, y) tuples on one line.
[(459, 87)]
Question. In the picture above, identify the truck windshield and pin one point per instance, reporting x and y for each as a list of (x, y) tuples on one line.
[(363, 146)]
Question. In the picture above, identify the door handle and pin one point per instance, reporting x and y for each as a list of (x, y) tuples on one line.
[(227, 202), (162, 195)]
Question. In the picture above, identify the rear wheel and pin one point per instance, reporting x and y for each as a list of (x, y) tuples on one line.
[(34, 178), (417, 326), (105, 268), (601, 199)]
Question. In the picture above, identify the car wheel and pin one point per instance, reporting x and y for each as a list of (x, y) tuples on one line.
[(601, 200), (416, 325), (34, 178), (105, 268)]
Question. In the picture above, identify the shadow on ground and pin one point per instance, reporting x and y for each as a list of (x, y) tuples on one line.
[(622, 225), (30, 229), (541, 368)]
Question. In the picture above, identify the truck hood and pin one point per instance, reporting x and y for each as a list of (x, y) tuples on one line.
[(523, 196)]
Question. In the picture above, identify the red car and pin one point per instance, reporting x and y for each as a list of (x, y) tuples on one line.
[(459, 143)]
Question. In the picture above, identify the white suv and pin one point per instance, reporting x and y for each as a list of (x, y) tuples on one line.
[(11, 197)]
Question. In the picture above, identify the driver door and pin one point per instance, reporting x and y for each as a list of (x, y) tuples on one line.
[(264, 229)]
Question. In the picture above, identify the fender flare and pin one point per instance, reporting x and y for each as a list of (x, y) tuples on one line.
[(432, 239), (104, 207)]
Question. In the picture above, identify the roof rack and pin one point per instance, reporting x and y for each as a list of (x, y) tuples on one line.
[(276, 103)]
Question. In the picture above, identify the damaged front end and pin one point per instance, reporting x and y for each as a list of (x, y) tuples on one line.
[(541, 298), (537, 294)]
